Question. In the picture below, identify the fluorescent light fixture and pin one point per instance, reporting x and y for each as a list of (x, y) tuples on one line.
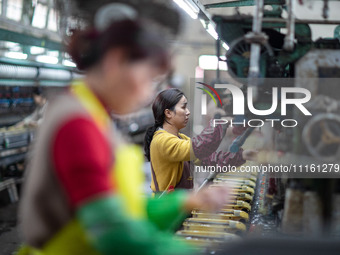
[(192, 6), (16, 55), (67, 62), (47, 59), (211, 30), (36, 50), (189, 7), (204, 24), (210, 62), (224, 45)]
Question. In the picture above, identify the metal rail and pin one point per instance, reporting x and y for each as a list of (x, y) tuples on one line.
[(255, 48), (289, 38)]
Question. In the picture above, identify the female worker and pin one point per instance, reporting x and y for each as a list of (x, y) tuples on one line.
[(169, 151), (35, 119), (81, 195)]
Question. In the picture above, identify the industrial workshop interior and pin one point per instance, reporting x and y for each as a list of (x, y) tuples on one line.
[(168, 127)]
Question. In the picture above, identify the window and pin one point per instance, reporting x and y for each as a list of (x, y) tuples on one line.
[(14, 9), (210, 62), (40, 16), (52, 20)]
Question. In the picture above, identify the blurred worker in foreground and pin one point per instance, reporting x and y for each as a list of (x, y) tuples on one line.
[(35, 119), (82, 193), (170, 151)]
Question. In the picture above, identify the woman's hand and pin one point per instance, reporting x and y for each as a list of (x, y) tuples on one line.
[(218, 113), (250, 155), (209, 199), (32, 124)]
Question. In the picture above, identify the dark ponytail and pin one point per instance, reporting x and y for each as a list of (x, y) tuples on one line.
[(166, 99)]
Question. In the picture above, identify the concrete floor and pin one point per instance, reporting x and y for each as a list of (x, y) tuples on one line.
[(9, 235)]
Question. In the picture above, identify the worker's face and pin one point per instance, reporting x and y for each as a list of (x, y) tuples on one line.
[(129, 85), (38, 99), (180, 115)]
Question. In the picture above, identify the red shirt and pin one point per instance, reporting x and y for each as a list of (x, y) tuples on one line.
[(83, 159)]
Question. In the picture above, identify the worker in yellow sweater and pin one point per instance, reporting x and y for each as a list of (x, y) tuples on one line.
[(170, 151)]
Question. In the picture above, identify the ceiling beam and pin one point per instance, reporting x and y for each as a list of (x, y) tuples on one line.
[(241, 3), (26, 39)]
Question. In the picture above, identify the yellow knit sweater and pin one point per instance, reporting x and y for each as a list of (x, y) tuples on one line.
[(168, 153)]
